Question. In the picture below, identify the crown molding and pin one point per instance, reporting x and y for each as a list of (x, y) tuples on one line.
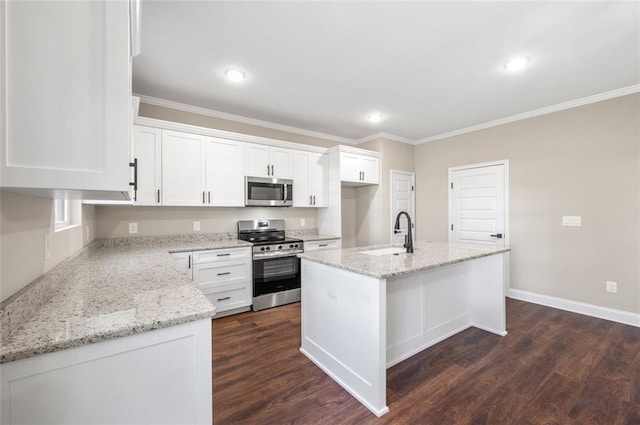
[(238, 118), (536, 112), (383, 135)]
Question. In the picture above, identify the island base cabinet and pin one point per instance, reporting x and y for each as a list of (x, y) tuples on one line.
[(343, 330), (157, 377)]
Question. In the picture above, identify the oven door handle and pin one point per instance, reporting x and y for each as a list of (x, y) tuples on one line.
[(284, 199)]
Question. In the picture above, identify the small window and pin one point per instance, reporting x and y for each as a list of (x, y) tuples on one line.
[(61, 213)]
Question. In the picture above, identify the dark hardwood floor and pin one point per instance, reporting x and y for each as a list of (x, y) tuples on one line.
[(553, 367)]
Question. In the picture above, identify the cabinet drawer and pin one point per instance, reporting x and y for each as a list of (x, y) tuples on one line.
[(321, 245), (218, 255), (230, 298), (225, 273)]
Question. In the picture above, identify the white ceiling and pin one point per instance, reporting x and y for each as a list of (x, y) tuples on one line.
[(428, 67)]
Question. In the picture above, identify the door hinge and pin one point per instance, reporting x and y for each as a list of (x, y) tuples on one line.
[(452, 227)]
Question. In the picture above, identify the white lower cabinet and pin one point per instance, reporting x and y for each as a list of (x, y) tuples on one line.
[(322, 245), (184, 259), (225, 277), (161, 376)]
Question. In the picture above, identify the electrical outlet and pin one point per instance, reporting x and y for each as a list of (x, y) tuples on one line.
[(133, 228), (302, 222), (611, 287), (572, 220), (47, 246), (196, 226)]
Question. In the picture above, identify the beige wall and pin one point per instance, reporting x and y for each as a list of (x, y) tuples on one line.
[(373, 202), (25, 221), (113, 221), (161, 113), (583, 161)]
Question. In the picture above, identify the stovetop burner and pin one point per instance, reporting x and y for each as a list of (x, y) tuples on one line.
[(269, 238)]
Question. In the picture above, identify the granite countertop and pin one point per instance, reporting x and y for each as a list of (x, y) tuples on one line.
[(427, 255), (313, 238), (112, 288)]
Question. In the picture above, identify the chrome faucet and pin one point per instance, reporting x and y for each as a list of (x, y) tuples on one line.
[(408, 239)]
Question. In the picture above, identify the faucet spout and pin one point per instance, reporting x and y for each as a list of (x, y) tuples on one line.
[(408, 239)]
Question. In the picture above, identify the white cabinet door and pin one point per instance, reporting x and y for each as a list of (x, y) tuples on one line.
[(310, 179), (257, 160), (185, 260), (319, 173), (267, 161), (302, 196), (225, 176), (350, 170), (183, 169), (67, 76), (146, 146), (370, 169), (281, 163)]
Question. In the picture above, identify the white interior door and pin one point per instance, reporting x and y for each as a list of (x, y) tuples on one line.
[(477, 204), (402, 199)]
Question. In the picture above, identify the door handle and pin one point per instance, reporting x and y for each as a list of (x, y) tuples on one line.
[(314, 199), (497, 235), (397, 231)]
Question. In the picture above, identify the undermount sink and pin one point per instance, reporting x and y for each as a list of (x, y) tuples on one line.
[(384, 251)]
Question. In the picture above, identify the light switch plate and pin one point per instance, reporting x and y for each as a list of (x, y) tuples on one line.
[(611, 287), (302, 222), (196, 226), (572, 220)]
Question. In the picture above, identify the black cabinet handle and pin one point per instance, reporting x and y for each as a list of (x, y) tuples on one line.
[(224, 299), (158, 195), (268, 170), (224, 255), (497, 235), (323, 244), (224, 274), (189, 261), (134, 164), (209, 197), (203, 202)]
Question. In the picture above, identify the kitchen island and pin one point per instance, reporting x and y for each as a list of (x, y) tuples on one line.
[(366, 309)]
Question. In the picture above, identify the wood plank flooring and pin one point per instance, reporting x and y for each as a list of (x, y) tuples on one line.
[(553, 367)]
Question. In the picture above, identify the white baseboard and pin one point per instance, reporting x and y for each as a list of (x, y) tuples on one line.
[(592, 310)]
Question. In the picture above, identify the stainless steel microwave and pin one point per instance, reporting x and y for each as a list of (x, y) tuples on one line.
[(268, 192)]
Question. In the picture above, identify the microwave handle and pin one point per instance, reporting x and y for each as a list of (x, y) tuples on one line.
[(285, 193)]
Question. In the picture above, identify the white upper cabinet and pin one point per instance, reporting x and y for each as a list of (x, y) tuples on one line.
[(183, 169), (268, 161), (225, 177), (310, 179), (146, 150), (359, 169), (65, 96)]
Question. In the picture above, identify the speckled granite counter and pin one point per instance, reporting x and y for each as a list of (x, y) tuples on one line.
[(112, 288), (313, 238), (427, 255)]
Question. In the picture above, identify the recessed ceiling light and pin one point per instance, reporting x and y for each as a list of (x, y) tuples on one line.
[(234, 75), (516, 64), (375, 117)]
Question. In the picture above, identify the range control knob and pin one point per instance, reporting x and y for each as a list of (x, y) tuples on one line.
[(291, 246), (295, 246), (279, 246), (268, 248), (261, 248)]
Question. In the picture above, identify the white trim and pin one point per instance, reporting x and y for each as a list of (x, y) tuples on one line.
[(505, 164), (620, 316), (383, 135), (356, 151), (536, 112), (412, 213), (205, 131), (237, 118)]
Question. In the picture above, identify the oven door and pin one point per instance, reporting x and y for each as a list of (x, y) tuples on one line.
[(267, 192), (275, 274)]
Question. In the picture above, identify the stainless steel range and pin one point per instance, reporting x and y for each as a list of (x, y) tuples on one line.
[(276, 267)]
